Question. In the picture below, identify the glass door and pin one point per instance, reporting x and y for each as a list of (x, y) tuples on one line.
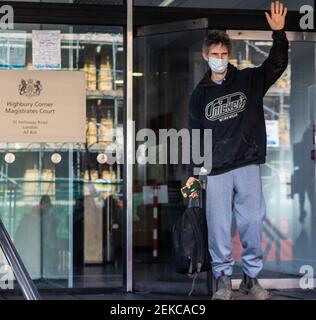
[(167, 67), (289, 174), (62, 202), (37, 207)]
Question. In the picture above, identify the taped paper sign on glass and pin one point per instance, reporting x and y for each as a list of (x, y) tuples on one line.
[(46, 49), (12, 49)]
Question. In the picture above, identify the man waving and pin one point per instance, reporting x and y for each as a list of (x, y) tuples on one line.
[(230, 102)]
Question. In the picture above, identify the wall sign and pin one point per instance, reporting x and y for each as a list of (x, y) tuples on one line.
[(42, 106)]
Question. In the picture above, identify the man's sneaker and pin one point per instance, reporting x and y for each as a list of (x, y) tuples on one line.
[(223, 288), (252, 287)]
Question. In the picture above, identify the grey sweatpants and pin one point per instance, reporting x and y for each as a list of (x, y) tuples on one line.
[(238, 192)]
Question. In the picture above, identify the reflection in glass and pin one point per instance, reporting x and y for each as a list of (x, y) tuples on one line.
[(227, 4)]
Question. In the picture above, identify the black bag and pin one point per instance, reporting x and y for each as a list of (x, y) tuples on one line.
[(190, 242)]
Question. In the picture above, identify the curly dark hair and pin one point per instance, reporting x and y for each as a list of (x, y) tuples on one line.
[(217, 37)]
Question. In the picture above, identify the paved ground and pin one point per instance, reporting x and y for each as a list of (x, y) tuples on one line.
[(275, 295)]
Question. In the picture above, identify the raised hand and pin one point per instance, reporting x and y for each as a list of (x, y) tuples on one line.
[(277, 18)]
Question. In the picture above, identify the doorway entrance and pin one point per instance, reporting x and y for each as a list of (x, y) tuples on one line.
[(169, 64)]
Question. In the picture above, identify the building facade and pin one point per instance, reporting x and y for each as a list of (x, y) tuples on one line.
[(79, 222)]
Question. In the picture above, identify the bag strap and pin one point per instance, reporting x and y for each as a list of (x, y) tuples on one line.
[(194, 202), (193, 216), (194, 276)]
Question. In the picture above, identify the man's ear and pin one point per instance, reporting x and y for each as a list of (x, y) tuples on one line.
[(205, 56)]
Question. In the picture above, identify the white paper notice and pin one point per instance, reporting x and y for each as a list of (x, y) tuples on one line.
[(12, 49), (46, 49), (272, 128)]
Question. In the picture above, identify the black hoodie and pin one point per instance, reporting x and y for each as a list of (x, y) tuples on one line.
[(234, 110)]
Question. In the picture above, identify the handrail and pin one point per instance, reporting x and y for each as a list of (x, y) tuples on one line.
[(26, 283)]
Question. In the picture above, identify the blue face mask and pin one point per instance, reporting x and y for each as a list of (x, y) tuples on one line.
[(217, 65)]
